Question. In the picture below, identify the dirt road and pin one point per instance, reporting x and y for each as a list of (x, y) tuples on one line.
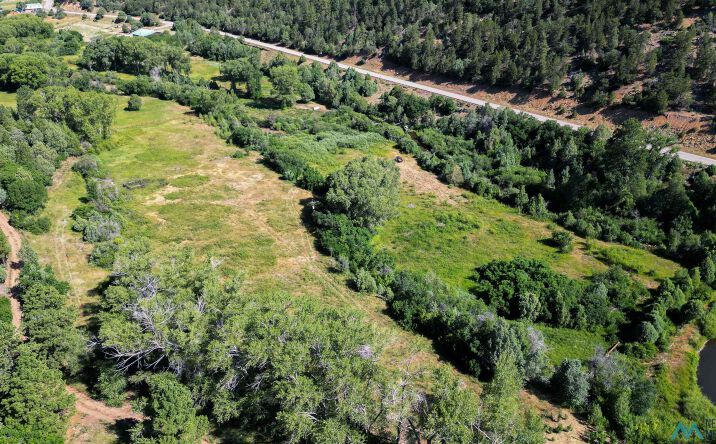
[(88, 410), (99, 411), (13, 267)]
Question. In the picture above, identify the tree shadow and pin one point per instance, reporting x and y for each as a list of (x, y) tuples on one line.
[(90, 310), (121, 429), (265, 103), (308, 207)]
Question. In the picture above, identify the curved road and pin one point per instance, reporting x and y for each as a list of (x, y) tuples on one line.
[(689, 157)]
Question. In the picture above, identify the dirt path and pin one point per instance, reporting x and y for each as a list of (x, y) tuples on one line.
[(13, 269), (88, 410), (97, 410), (92, 418), (679, 346), (556, 418)]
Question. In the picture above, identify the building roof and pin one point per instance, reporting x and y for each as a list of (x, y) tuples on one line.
[(33, 6), (142, 32)]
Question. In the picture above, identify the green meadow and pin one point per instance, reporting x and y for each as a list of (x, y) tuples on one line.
[(452, 238)]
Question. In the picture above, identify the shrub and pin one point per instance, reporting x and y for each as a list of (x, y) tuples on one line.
[(647, 333), (570, 383), (5, 311), (86, 166), (528, 289), (134, 103), (692, 310), (367, 190), (294, 169), (708, 324), (240, 153), (365, 282), (110, 385), (461, 325), (26, 195), (173, 417), (563, 241), (28, 222), (103, 254)]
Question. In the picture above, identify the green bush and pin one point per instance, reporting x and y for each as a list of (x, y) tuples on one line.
[(29, 222), (110, 385), (366, 189), (365, 282), (563, 241), (134, 103), (570, 383), (708, 324), (103, 254), (27, 195)]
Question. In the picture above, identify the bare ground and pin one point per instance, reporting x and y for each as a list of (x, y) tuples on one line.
[(13, 268), (92, 419), (674, 356), (425, 182)]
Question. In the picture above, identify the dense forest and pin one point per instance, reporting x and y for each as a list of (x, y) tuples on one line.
[(591, 48)]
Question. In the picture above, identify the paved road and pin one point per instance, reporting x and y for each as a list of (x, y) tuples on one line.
[(419, 86)]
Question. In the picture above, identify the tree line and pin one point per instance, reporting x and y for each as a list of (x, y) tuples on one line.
[(590, 49)]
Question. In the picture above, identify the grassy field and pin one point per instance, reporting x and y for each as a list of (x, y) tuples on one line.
[(233, 210), (89, 27), (203, 69), (7, 99), (63, 248), (453, 238), (8, 5), (573, 344), (330, 150)]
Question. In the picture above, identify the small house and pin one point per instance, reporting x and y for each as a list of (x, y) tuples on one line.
[(32, 8)]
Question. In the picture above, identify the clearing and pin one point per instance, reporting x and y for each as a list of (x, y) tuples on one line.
[(235, 210)]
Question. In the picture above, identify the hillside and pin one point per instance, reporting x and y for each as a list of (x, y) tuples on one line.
[(250, 248), (596, 61)]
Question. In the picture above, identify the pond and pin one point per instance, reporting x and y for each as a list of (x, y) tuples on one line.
[(707, 370)]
